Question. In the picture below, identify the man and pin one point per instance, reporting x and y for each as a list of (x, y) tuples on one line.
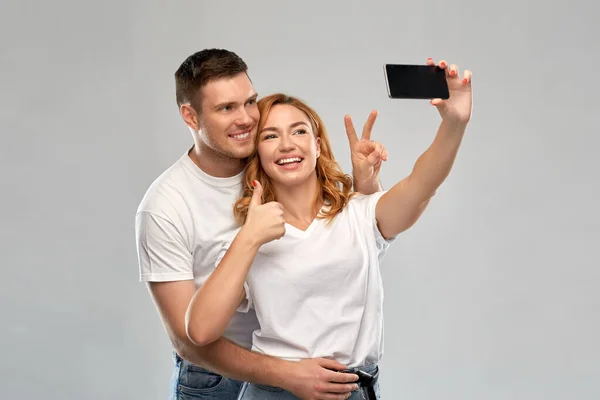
[(186, 213)]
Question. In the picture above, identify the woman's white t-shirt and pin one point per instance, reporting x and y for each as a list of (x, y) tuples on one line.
[(319, 293)]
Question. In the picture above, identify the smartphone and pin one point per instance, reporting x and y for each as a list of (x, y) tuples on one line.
[(406, 81)]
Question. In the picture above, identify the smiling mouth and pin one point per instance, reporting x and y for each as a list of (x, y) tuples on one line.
[(289, 161), (240, 136)]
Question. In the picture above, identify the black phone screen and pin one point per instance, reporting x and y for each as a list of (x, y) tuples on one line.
[(416, 81)]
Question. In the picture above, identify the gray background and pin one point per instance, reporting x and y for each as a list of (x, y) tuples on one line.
[(492, 295)]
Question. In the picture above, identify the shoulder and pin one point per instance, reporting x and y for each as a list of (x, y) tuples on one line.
[(183, 186), (364, 202), (164, 212), (163, 189), (362, 211)]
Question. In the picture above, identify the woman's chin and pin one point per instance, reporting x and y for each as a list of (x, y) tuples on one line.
[(290, 179)]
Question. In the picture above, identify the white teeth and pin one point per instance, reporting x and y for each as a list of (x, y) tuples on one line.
[(241, 135), (289, 160)]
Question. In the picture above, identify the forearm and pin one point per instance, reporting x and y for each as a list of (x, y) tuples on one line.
[(404, 203), (215, 302), (228, 359), (435, 164)]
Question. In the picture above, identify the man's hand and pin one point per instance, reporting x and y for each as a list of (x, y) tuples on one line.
[(320, 379), (366, 155)]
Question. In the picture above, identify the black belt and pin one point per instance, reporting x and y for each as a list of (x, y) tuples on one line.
[(366, 382)]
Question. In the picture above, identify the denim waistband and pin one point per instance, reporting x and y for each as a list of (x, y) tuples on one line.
[(186, 365), (367, 368)]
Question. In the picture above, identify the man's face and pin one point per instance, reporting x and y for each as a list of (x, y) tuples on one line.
[(229, 116)]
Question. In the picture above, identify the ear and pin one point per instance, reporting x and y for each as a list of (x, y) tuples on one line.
[(190, 116), (318, 147)]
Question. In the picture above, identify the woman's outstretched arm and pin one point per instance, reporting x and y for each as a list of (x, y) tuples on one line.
[(403, 204)]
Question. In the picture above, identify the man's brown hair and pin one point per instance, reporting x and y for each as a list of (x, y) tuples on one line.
[(202, 67)]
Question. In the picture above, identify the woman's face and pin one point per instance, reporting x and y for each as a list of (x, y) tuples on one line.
[(287, 146)]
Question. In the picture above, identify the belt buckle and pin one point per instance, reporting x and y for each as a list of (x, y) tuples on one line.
[(364, 378), (365, 381)]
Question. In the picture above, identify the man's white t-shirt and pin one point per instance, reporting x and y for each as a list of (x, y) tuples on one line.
[(319, 293), (181, 223)]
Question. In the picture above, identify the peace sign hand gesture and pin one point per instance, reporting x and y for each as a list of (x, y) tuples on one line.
[(366, 155)]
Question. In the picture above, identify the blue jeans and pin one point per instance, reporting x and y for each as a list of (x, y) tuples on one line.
[(191, 382), (251, 391)]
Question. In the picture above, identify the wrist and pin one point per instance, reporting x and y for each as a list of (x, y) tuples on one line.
[(454, 125), (367, 186), (248, 239), (361, 176), (283, 374), (365, 180)]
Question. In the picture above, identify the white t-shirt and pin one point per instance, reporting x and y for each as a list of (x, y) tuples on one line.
[(180, 226), (319, 293)]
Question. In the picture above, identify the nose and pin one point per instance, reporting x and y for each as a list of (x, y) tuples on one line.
[(286, 143), (243, 118)]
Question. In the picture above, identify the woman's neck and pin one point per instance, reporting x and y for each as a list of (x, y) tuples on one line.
[(298, 202)]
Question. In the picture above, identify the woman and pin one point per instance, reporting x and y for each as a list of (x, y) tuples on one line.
[(307, 255)]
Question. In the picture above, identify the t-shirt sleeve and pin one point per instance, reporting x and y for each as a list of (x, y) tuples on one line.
[(162, 252), (368, 205), (246, 303)]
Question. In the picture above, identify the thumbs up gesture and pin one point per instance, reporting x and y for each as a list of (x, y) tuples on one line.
[(264, 222)]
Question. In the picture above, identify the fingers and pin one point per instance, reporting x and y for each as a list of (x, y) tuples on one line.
[(384, 155), (442, 65), (350, 131), (466, 77), (377, 155), (367, 128), (339, 387), (366, 133), (335, 396), (339, 384), (374, 157), (256, 199), (333, 370), (341, 377), (329, 396), (451, 71), (330, 364), (437, 102)]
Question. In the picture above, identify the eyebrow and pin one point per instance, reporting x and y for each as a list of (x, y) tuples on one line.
[(230, 103), (295, 124)]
